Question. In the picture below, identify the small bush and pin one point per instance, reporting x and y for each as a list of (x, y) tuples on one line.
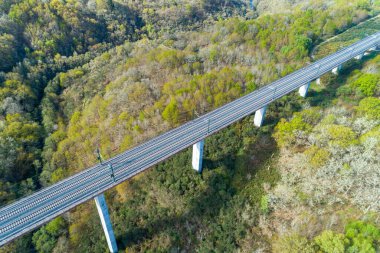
[(330, 242), (171, 112), (293, 243), (363, 237), (370, 107), (341, 136), (264, 204), (317, 156), (286, 132), (311, 115), (367, 84)]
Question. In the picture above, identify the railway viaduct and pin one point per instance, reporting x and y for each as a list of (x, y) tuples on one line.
[(33, 211)]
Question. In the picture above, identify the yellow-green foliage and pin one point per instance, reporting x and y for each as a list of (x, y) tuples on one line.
[(358, 236), (20, 139), (58, 175), (17, 89), (21, 129), (292, 243), (136, 90), (363, 82), (317, 156), (330, 242), (370, 107), (66, 78), (286, 132), (373, 133), (362, 237), (8, 51), (367, 84), (311, 115), (55, 226), (77, 73), (45, 238), (328, 119), (204, 92), (167, 58), (170, 112), (84, 134), (341, 136)]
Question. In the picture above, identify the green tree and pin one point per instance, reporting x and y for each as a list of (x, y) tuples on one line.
[(171, 112), (317, 156), (367, 84), (363, 237), (286, 132), (8, 51), (330, 242), (293, 244), (341, 135), (46, 237), (20, 143)]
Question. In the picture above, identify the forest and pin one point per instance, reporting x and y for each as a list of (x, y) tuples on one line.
[(81, 74)]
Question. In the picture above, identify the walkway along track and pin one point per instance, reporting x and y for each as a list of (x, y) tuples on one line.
[(33, 211)]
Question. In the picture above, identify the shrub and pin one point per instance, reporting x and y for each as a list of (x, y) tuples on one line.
[(363, 237), (293, 243), (171, 112), (311, 115), (341, 136), (374, 133), (286, 132), (317, 156), (58, 175), (370, 107), (46, 237), (264, 204), (367, 84), (330, 242)]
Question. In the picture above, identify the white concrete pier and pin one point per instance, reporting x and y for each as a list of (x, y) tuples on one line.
[(198, 156), (101, 205), (372, 49), (336, 70), (359, 57), (368, 52), (251, 5), (304, 89), (259, 116)]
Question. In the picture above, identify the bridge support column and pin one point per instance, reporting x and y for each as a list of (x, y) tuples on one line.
[(251, 4), (198, 155), (304, 89), (359, 57), (259, 116), (318, 81), (336, 70), (370, 50), (101, 205)]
